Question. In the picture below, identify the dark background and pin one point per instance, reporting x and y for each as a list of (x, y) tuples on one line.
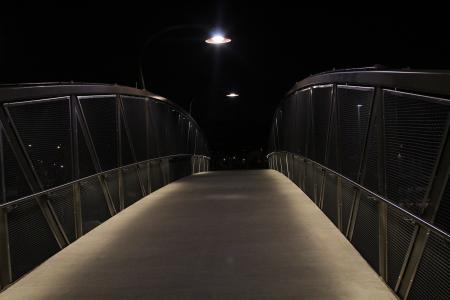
[(274, 45)]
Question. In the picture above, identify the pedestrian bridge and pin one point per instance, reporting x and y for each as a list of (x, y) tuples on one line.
[(106, 193)]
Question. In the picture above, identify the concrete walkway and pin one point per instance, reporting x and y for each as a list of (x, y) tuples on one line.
[(217, 235)]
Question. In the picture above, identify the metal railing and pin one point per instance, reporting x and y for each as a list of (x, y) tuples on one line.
[(73, 155), (371, 149)]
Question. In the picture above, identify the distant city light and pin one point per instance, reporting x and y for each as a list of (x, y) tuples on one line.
[(218, 39)]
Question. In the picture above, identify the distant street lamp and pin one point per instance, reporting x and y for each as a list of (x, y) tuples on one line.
[(229, 95), (216, 39)]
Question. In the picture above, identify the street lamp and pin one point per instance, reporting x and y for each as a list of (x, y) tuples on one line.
[(232, 95), (216, 39)]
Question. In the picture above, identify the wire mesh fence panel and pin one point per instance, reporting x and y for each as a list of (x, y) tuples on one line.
[(310, 180), (365, 235), (112, 181), (318, 183), (321, 107), (399, 235), (156, 176), (63, 206), (179, 168), (354, 109), (94, 209), (348, 193), (101, 117), (373, 158), (443, 213), (432, 280), (330, 204), (31, 240), (15, 184), (296, 170), (144, 173), (44, 129), (132, 189), (135, 115), (414, 127)]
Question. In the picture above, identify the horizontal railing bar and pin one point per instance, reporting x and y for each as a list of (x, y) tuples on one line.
[(431, 82), (68, 184), (415, 218)]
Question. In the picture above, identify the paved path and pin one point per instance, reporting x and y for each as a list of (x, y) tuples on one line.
[(217, 235)]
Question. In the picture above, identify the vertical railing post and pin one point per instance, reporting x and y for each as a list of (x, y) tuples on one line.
[(120, 185), (339, 202), (76, 193), (382, 240)]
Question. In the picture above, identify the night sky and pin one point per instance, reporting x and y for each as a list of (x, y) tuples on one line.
[(274, 45)]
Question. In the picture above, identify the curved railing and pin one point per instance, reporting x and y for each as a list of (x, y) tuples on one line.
[(73, 155), (371, 149)]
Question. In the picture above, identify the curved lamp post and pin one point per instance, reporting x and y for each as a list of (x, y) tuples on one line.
[(216, 39)]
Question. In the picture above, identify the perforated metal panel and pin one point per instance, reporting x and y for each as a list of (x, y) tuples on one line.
[(30, 239), (354, 108), (371, 178), (101, 118), (131, 186), (112, 181), (44, 128), (94, 209), (321, 106), (127, 154), (86, 164), (318, 181), (296, 170), (414, 127), (62, 203), (332, 150), (432, 280), (348, 195), (399, 234), (365, 235), (310, 180), (303, 101), (134, 109), (443, 214), (330, 198), (179, 168), (144, 173), (16, 185)]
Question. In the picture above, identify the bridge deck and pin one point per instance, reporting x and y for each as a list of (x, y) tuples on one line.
[(236, 234)]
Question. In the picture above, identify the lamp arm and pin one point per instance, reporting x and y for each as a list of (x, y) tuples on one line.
[(154, 37)]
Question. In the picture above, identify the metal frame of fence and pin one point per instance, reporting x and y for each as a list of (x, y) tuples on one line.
[(402, 137), (53, 213)]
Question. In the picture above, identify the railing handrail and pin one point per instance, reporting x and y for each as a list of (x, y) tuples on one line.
[(433, 82), (70, 183), (415, 218)]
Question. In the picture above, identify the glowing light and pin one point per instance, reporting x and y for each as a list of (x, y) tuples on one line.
[(232, 95), (218, 39)]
